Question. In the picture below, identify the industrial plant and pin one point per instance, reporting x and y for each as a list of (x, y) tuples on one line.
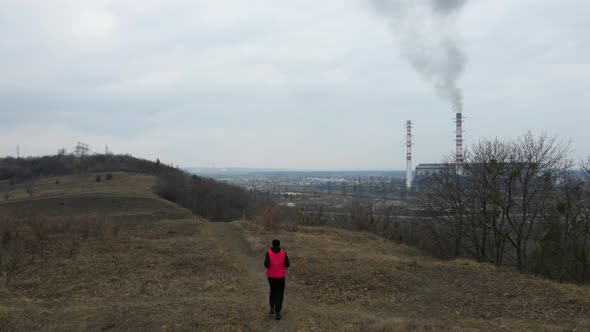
[(426, 170)]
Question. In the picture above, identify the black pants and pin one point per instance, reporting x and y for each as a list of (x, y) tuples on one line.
[(277, 291)]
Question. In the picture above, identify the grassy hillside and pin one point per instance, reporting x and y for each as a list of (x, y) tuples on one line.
[(350, 280), (74, 195), (115, 256), (122, 183), (160, 270), (206, 197)]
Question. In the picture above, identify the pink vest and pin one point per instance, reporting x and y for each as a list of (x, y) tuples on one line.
[(276, 268)]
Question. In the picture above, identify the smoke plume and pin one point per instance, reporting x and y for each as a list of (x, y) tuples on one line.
[(426, 36)]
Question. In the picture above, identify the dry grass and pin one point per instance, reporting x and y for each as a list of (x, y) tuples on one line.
[(117, 260), (274, 218), (126, 195), (130, 184), (168, 277), (37, 240), (126, 260), (358, 281)]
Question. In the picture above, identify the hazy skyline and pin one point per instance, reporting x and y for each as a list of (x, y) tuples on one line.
[(297, 85)]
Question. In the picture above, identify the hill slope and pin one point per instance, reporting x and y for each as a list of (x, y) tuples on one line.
[(163, 268), (204, 196), (357, 281), (160, 271)]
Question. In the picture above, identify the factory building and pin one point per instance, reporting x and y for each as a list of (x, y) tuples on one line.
[(424, 171), (431, 169)]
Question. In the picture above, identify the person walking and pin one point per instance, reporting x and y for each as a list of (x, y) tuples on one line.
[(275, 262)]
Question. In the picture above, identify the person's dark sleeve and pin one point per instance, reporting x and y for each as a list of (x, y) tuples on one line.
[(266, 260), (287, 263)]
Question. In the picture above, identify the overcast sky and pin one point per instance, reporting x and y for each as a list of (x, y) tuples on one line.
[(303, 84)]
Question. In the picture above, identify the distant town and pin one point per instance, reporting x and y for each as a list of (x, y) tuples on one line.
[(276, 181)]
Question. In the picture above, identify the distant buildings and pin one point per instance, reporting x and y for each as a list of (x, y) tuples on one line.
[(431, 169)]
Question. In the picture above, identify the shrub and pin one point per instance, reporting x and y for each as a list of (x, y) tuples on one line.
[(98, 178), (84, 229), (270, 218), (290, 219), (206, 197), (29, 188), (13, 258), (12, 250), (109, 176), (106, 230), (73, 247), (37, 238), (7, 229), (38, 227)]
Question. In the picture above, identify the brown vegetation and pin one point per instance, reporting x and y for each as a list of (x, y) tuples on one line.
[(118, 260), (275, 218), (519, 203), (206, 197), (345, 280), (36, 240), (142, 263)]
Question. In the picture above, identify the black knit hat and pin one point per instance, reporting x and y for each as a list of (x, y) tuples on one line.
[(276, 243)]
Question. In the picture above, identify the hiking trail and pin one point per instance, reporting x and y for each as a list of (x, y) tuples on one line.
[(231, 240)]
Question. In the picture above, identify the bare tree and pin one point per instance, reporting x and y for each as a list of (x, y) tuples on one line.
[(564, 248), (30, 187), (486, 165), (534, 166), (503, 199), (444, 199), (361, 214), (579, 232), (573, 240)]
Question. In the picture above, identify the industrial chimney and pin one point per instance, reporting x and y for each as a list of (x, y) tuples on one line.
[(459, 143), (409, 154)]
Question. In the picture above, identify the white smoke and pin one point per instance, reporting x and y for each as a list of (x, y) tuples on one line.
[(426, 35)]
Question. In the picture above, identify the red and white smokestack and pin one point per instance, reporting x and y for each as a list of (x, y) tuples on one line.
[(459, 143), (409, 154)]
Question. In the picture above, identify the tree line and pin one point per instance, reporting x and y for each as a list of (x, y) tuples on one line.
[(521, 202), (209, 198)]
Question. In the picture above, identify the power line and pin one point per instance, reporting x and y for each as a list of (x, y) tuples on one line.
[(81, 149)]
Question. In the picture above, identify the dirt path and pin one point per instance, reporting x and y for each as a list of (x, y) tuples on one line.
[(299, 313), (230, 239)]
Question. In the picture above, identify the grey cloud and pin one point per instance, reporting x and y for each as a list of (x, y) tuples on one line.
[(223, 80), (447, 6)]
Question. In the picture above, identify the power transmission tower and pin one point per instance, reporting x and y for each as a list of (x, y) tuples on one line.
[(81, 149)]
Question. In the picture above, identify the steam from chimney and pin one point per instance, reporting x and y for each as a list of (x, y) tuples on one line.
[(425, 31)]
